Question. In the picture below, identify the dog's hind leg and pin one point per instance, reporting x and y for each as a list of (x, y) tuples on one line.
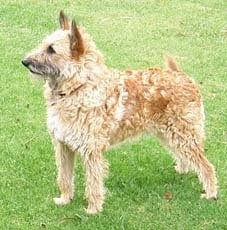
[(204, 170), (65, 162), (189, 154), (183, 165), (206, 174)]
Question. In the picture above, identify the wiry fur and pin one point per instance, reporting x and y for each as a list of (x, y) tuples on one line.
[(90, 107)]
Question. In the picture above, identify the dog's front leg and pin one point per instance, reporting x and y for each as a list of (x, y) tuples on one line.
[(96, 168), (65, 162)]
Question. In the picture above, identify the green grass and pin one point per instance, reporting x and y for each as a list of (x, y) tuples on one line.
[(144, 192)]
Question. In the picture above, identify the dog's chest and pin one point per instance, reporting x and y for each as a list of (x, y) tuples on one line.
[(55, 125)]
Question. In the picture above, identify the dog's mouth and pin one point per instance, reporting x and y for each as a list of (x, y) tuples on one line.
[(34, 71)]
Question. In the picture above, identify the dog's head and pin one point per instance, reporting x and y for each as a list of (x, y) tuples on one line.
[(61, 52)]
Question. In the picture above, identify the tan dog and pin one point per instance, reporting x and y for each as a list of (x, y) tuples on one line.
[(90, 107)]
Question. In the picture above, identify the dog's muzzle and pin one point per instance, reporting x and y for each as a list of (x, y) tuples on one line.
[(30, 65)]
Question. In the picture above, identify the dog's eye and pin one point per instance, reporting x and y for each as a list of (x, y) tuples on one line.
[(50, 50)]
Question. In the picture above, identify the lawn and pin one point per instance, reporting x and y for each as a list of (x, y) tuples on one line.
[(144, 191)]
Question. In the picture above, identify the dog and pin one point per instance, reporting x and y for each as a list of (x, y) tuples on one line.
[(91, 107)]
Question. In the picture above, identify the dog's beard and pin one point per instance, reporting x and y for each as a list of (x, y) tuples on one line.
[(37, 77)]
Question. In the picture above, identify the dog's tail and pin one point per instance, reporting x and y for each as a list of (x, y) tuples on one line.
[(171, 64)]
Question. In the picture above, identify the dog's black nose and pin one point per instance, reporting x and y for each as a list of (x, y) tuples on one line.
[(26, 62)]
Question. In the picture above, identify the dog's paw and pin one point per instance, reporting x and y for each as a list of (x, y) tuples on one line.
[(209, 197), (93, 210), (61, 200)]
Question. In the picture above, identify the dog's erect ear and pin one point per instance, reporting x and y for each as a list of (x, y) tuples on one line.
[(76, 41), (63, 20)]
